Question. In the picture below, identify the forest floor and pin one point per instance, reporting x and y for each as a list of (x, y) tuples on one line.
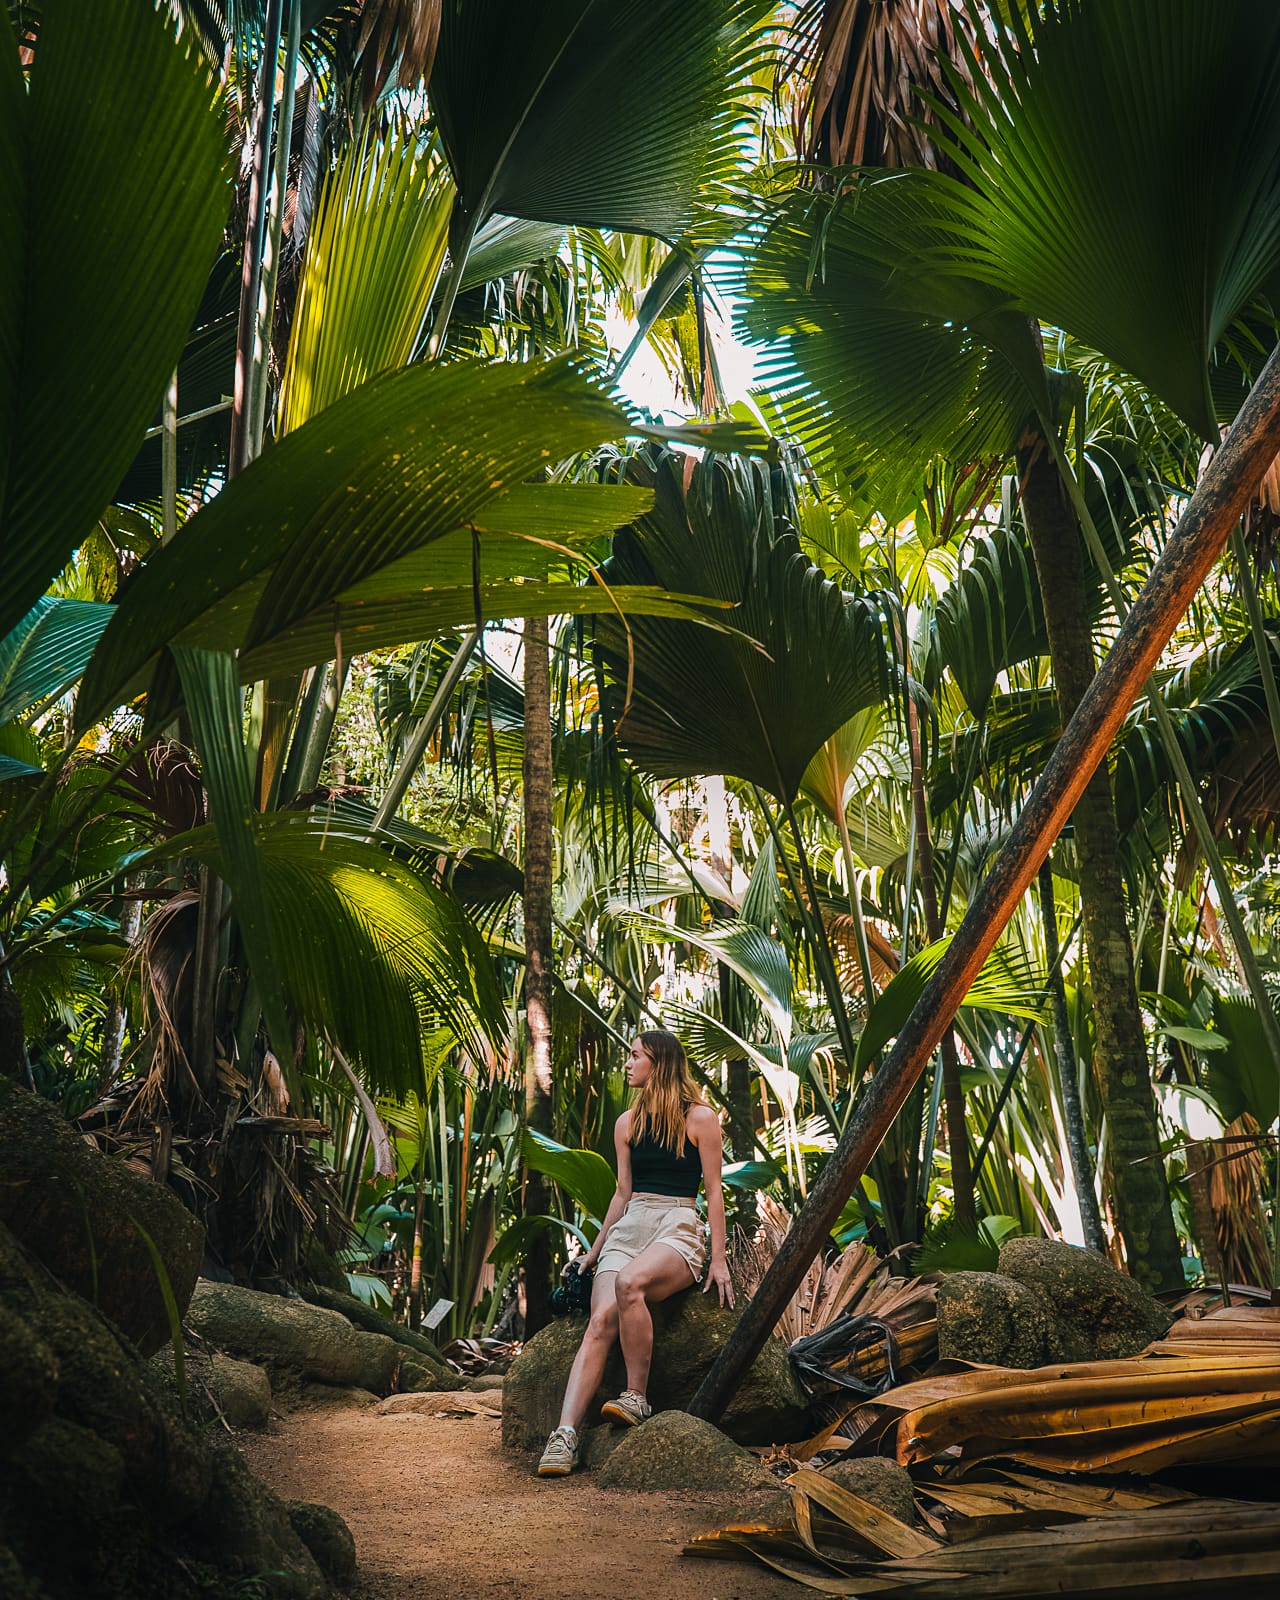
[(440, 1511)]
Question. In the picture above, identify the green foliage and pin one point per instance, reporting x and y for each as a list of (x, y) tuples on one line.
[(214, 704), (587, 1178), (952, 1246), (44, 654), (378, 476), (756, 703), (1002, 985), (880, 354), (367, 949), (98, 282), (1095, 150), (576, 112), (376, 246)]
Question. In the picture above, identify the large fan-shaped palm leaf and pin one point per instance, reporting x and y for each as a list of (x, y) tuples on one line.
[(756, 704), (1124, 163), (376, 246), (369, 951), (609, 113), (879, 362), (113, 195), (47, 651)]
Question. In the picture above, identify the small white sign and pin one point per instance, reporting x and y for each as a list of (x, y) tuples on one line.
[(436, 1315)]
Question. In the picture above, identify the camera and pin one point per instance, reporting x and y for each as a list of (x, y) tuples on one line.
[(572, 1293)]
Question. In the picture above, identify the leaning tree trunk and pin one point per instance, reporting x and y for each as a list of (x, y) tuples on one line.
[(538, 867), (1120, 1050), (1196, 543)]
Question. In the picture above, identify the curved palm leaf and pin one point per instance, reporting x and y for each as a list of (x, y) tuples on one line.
[(383, 472), (609, 113), (584, 1176), (761, 962), (1226, 737), (376, 247), (368, 950), (1002, 985), (879, 358), (119, 140), (757, 704), (48, 650), (1098, 146)]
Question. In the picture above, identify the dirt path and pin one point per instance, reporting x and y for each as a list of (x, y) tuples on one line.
[(441, 1512)]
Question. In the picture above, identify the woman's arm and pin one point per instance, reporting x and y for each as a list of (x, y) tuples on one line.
[(621, 1195), (704, 1130)]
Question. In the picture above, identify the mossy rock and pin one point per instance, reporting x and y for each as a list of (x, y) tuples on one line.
[(327, 1537), (877, 1479), (88, 1218), (28, 1379), (246, 1529), (241, 1389), (106, 1489), (986, 1317), (1096, 1313), (676, 1451), (269, 1327), (689, 1332)]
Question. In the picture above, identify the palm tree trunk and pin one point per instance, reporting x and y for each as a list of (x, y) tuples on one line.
[(1068, 1085), (538, 868), (952, 1089), (1120, 1051)]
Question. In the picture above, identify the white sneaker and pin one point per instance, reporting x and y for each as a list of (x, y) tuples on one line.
[(561, 1455), (630, 1408)]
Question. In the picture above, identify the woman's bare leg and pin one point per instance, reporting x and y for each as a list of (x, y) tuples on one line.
[(655, 1274), (588, 1365)]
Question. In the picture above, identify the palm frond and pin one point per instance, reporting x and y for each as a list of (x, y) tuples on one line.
[(400, 462), (612, 116), (1094, 144), (120, 132), (756, 704), (870, 71), (47, 651), (880, 354), (376, 246), (369, 950)]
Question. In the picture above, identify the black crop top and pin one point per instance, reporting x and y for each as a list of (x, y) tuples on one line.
[(656, 1169)]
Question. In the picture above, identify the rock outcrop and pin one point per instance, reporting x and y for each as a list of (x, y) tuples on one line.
[(94, 1222), (984, 1316), (676, 1451), (689, 1332), (317, 1342), (106, 1488), (241, 1390), (1096, 1312), (1049, 1302)]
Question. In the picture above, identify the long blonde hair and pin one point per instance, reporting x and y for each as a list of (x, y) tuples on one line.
[(662, 1102)]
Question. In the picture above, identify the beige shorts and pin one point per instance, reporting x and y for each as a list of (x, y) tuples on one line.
[(654, 1219)]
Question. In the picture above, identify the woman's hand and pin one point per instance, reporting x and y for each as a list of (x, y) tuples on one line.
[(718, 1273)]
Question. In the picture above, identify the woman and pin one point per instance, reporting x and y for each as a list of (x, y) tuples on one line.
[(650, 1245)]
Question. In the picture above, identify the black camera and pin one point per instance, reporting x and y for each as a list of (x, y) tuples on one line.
[(573, 1292)]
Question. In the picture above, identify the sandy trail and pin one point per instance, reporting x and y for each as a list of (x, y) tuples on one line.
[(441, 1512)]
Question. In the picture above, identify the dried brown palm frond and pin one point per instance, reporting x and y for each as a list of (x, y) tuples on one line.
[(1238, 1193), (397, 38), (854, 1281), (844, 946), (1010, 1534), (867, 71)]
